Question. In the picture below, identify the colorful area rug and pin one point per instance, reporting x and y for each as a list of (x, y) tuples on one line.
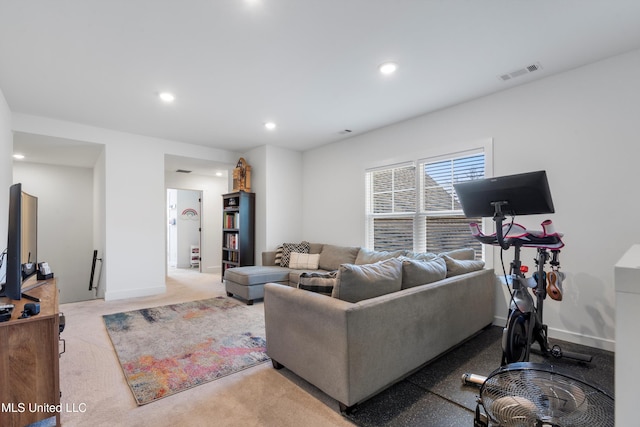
[(165, 350)]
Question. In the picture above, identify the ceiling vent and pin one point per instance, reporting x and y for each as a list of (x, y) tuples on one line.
[(521, 72), (183, 171)]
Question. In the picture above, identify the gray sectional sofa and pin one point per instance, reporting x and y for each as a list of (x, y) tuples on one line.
[(389, 314)]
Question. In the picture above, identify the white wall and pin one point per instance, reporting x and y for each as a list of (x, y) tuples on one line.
[(277, 182), (211, 216), (188, 226), (99, 228), (134, 255), (6, 175), (65, 223), (580, 126)]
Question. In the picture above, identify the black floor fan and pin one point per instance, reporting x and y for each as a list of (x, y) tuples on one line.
[(536, 395)]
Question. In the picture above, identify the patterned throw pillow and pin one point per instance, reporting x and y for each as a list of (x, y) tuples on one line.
[(321, 283), (278, 259), (287, 248)]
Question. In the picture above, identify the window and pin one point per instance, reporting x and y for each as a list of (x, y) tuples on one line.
[(413, 206), (391, 206)]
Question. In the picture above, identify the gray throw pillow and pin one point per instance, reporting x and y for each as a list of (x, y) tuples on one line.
[(321, 283), (464, 253), (422, 256), (332, 256), (358, 282), (456, 267), (416, 272), (369, 256)]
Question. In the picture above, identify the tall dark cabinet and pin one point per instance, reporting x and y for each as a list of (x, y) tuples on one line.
[(238, 229)]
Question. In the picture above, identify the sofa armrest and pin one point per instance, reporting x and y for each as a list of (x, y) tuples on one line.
[(307, 333), (269, 258)]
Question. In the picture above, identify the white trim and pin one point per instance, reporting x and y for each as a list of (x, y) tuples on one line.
[(134, 293), (391, 166), (569, 336)]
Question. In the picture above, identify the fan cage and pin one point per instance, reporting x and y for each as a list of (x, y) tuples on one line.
[(534, 395)]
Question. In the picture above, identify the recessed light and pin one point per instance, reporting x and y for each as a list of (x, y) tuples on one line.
[(167, 97), (218, 173), (388, 68), (270, 125), (18, 156)]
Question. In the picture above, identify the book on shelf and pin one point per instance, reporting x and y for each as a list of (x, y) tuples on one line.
[(231, 241), (232, 220)]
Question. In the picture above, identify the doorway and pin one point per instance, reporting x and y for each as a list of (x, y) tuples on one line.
[(184, 212)]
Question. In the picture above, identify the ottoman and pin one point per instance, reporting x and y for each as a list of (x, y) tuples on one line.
[(248, 282)]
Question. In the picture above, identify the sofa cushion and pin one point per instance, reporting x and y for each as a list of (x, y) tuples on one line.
[(287, 248), (422, 256), (358, 282), (256, 275), (301, 261), (464, 253), (315, 248), (416, 272), (368, 256), (321, 283), (332, 256), (456, 267)]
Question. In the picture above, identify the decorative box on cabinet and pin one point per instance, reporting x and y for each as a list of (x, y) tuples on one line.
[(238, 230)]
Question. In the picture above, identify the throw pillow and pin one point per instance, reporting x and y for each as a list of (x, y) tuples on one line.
[(332, 256), (287, 248), (464, 253), (416, 272), (299, 261), (456, 267), (358, 282), (278, 260), (422, 256), (321, 283), (368, 256)]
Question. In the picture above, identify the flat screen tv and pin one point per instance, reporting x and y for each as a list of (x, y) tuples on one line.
[(22, 241), (522, 194)]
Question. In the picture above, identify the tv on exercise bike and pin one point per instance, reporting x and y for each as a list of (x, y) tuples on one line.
[(521, 194)]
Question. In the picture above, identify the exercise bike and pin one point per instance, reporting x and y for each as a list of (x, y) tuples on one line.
[(525, 324)]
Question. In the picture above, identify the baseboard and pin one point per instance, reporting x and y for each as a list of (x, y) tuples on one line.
[(573, 337), (133, 293)]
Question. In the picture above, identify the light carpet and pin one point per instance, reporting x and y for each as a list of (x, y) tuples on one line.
[(168, 349)]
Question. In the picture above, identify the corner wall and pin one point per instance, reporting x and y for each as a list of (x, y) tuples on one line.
[(579, 126), (277, 181)]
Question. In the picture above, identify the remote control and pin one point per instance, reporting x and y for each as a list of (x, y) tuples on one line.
[(6, 306)]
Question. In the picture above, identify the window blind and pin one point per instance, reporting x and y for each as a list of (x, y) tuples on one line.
[(415, 207)]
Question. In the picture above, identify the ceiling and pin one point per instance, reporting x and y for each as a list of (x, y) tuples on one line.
[(310, 66)]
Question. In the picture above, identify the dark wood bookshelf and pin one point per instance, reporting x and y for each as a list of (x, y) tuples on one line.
[(238, 230)]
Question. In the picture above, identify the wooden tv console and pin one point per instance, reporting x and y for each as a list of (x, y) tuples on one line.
[(29, 359)]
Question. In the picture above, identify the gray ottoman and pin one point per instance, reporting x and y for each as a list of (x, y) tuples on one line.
[(248, 282)]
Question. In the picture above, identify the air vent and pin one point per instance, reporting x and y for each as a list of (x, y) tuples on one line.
[(521, 72), (183, 171)]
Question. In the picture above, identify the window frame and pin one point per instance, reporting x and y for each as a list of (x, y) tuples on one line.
[(419, 215)]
